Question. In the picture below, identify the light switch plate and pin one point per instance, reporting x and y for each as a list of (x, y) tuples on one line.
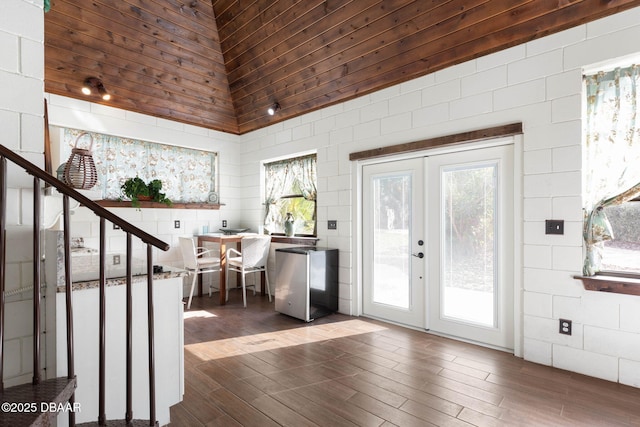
[(554, 226), (332, 224)]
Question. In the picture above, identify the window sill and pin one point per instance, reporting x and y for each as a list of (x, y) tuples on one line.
[(156, 205), (295, 240), (611, 284)]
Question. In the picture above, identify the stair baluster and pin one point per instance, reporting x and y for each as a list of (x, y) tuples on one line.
[(37, 260), (150, 333), (3, 243), (129, 301), (102, 334), (68, 300), (60, 390)]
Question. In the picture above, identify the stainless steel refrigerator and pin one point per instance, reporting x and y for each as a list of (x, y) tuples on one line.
[(306, 282)]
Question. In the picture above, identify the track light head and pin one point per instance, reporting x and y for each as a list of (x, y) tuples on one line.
[(273, 108), (91, 83)]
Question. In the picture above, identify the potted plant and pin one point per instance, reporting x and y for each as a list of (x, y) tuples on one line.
[(136, 190)]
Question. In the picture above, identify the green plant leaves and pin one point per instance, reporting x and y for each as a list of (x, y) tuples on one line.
[(134, 188)]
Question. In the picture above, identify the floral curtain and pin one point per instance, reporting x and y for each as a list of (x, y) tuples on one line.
[(278, 178), (307, 181), (282, 176), (187, 175), (611, 153)]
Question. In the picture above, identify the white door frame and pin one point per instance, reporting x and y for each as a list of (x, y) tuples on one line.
[(357, 230)]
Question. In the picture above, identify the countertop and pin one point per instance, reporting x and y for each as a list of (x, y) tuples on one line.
[(85, 270)]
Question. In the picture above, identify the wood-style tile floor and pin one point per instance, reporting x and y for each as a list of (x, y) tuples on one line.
[(256, 367)]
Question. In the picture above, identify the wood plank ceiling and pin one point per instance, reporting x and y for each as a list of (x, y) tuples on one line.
[(220, 64)]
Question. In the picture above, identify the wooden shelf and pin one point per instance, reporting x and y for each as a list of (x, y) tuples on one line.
[(295, 240), (156, 205), (611, 284)]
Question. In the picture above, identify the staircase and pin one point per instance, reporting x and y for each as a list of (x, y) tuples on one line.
[(36, 404)]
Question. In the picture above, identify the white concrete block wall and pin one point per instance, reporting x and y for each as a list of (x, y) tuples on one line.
[(629, 373), (538, 84), (21, 115), (78, 114)]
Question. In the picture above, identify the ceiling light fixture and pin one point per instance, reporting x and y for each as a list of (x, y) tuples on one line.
[(91, 83), (273, 109)]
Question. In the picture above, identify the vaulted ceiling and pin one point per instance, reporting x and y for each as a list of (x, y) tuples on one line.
[(219, 64)]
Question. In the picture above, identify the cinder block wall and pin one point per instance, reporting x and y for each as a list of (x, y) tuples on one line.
[(538, 84), (78, 114), (21, 115)]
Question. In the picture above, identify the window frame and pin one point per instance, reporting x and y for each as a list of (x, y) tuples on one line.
[(100, 140), (601, 279), (263, 179)]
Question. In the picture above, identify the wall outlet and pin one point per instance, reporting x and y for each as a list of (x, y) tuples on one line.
[(332, 224), (116, 259), (565, 326), (176, 223), (224, 223)]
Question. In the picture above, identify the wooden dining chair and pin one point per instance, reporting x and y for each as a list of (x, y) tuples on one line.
[(252, 259), (196, 261)]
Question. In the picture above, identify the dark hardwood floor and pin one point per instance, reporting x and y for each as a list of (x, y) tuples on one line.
[(256, 367)]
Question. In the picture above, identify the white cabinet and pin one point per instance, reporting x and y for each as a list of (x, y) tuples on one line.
[(168, 311)]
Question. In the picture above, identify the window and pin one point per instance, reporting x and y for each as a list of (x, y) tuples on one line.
[(187, 175), (622, 252), (611, 154), (290, 187)]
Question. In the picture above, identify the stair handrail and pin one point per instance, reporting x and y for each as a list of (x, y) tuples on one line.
[(65, 189), (150, 241)]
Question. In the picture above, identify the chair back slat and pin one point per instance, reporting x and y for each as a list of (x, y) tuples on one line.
[(255, 251), (188, 249)]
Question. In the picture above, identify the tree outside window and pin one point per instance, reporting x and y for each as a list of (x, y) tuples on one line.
[(290, 187), (622, 252)]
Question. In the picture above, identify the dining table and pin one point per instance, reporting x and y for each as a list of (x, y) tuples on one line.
[(224, 240)]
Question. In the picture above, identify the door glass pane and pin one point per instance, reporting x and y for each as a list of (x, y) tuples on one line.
[(468, 285), (391, 233)]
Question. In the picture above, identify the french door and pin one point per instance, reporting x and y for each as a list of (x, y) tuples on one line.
[(394, 244), (438, 244), (470, 225)]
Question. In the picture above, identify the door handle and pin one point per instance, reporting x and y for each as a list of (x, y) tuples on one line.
[(418, 255)]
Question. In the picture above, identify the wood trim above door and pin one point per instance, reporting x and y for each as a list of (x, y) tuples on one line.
[(440, 141)]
